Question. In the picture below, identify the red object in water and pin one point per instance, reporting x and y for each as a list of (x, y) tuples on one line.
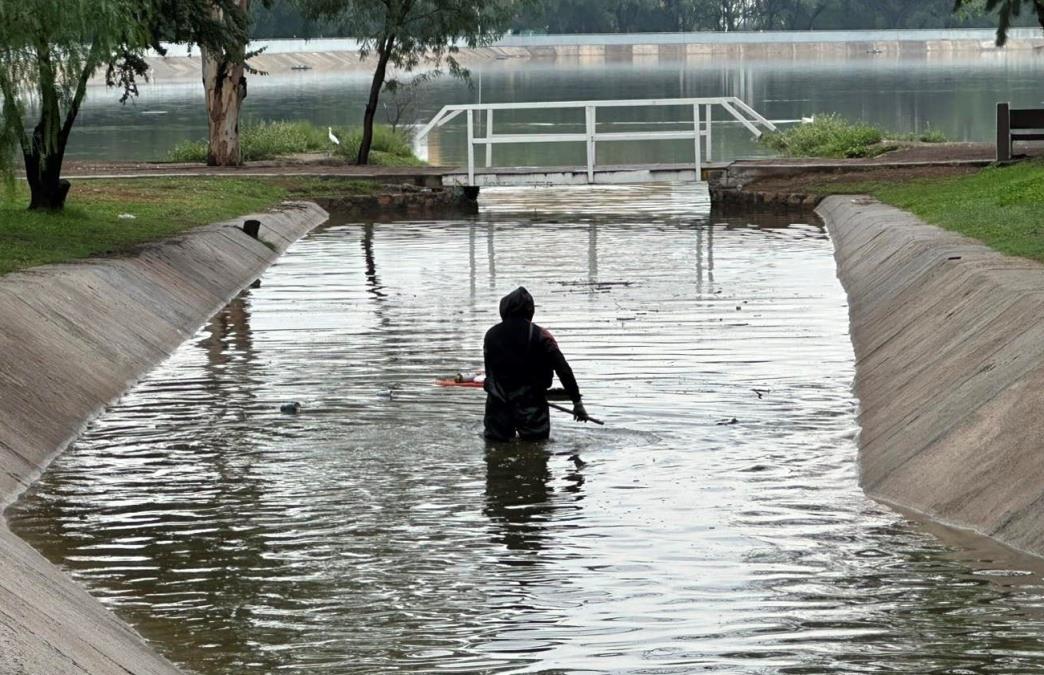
[(451, 382)]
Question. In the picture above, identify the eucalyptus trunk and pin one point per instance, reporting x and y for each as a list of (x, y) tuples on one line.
[(224, 84), (225, 87)]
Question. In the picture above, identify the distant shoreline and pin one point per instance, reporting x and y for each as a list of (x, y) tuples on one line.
[(330, 55)]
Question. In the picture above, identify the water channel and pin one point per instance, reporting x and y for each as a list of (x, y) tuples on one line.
[(714, 524)]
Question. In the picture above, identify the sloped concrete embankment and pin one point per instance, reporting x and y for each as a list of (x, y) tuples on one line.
[(72, 339), (949, 346)]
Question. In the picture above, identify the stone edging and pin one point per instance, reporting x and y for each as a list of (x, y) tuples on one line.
[(949, 352), (403, 200), (742, 197), (74, 337)]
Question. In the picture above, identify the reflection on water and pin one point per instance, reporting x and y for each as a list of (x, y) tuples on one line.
[(953, 94), (714, 523)]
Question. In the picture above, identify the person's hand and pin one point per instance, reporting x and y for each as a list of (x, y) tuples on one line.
[(579, 413)]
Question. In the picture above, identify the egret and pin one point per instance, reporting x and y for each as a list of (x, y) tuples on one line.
[(330, 135)]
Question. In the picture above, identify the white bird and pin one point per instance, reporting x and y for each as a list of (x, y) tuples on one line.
[(330, 135), (808, 120)]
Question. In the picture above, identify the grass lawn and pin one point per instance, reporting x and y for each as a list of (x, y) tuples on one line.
[(90, 224), (1002, 207)]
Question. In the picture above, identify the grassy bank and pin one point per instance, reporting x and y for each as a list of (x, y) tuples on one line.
[(91, 225), (834, 137), (273, 140), (999, 206)]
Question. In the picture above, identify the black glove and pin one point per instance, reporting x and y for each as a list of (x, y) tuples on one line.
[(579, 413)]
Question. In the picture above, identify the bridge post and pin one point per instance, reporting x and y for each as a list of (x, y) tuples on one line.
[(710, 144), (698, 131), (471, 147), (489, 137), (589, 113)]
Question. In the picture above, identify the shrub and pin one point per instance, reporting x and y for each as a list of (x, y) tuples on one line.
[(270, 140), (387, 145), (930, 135), (827, 136)]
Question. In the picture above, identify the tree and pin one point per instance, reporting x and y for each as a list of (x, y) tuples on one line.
[(1008, 12), (48, 53), (225, 85), (221, 30), (406, 33), (401, 98), (281, 19)]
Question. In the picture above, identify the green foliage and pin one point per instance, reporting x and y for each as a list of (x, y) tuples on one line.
[(49, 50), (390, 147), (282, 19), (411, 31), (930, 135), (406, 33), (1008, 13), (633, 16), (827, 136), (272, 140)]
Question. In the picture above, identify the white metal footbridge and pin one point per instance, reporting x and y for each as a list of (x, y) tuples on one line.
[(697, 130)]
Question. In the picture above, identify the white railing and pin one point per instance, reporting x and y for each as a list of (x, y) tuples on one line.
[(701, 126)]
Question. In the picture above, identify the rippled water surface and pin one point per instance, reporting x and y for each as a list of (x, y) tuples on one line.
[(714, 523)]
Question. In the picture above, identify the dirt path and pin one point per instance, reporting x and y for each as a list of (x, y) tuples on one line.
[(305, 166)]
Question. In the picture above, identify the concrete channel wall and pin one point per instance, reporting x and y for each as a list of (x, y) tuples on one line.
[(949, 347), (73, 338)]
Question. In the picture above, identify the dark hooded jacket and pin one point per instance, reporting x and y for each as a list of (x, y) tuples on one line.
[(521, 357)]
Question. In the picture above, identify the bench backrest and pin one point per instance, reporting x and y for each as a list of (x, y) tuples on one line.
[(1026, 124), (1026, 118)]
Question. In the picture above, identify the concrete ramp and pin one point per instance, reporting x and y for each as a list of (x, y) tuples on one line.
[(949, 342), (73, 337), (577, 175)]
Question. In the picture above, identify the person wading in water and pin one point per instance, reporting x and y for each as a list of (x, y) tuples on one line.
[(521, 358)]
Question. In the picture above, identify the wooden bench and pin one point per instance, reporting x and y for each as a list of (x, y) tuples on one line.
[(1026, 124)]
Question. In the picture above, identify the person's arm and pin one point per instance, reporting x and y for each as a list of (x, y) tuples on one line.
[(490, 384), (560, 365)]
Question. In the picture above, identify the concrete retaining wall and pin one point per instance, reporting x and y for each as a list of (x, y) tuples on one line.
[(342, 55), (72, 339), (949, 344)]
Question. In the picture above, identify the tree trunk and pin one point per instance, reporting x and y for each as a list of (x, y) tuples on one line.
[(384, 53), (224, 84), (44, 154), (47, 189), (225, 87)]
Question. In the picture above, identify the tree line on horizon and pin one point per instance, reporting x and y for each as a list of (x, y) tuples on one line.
[(285, 19)]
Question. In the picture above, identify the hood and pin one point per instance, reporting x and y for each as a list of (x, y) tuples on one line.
[(517, 304)]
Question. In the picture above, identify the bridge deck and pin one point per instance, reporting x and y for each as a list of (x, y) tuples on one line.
[(577, 175)]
